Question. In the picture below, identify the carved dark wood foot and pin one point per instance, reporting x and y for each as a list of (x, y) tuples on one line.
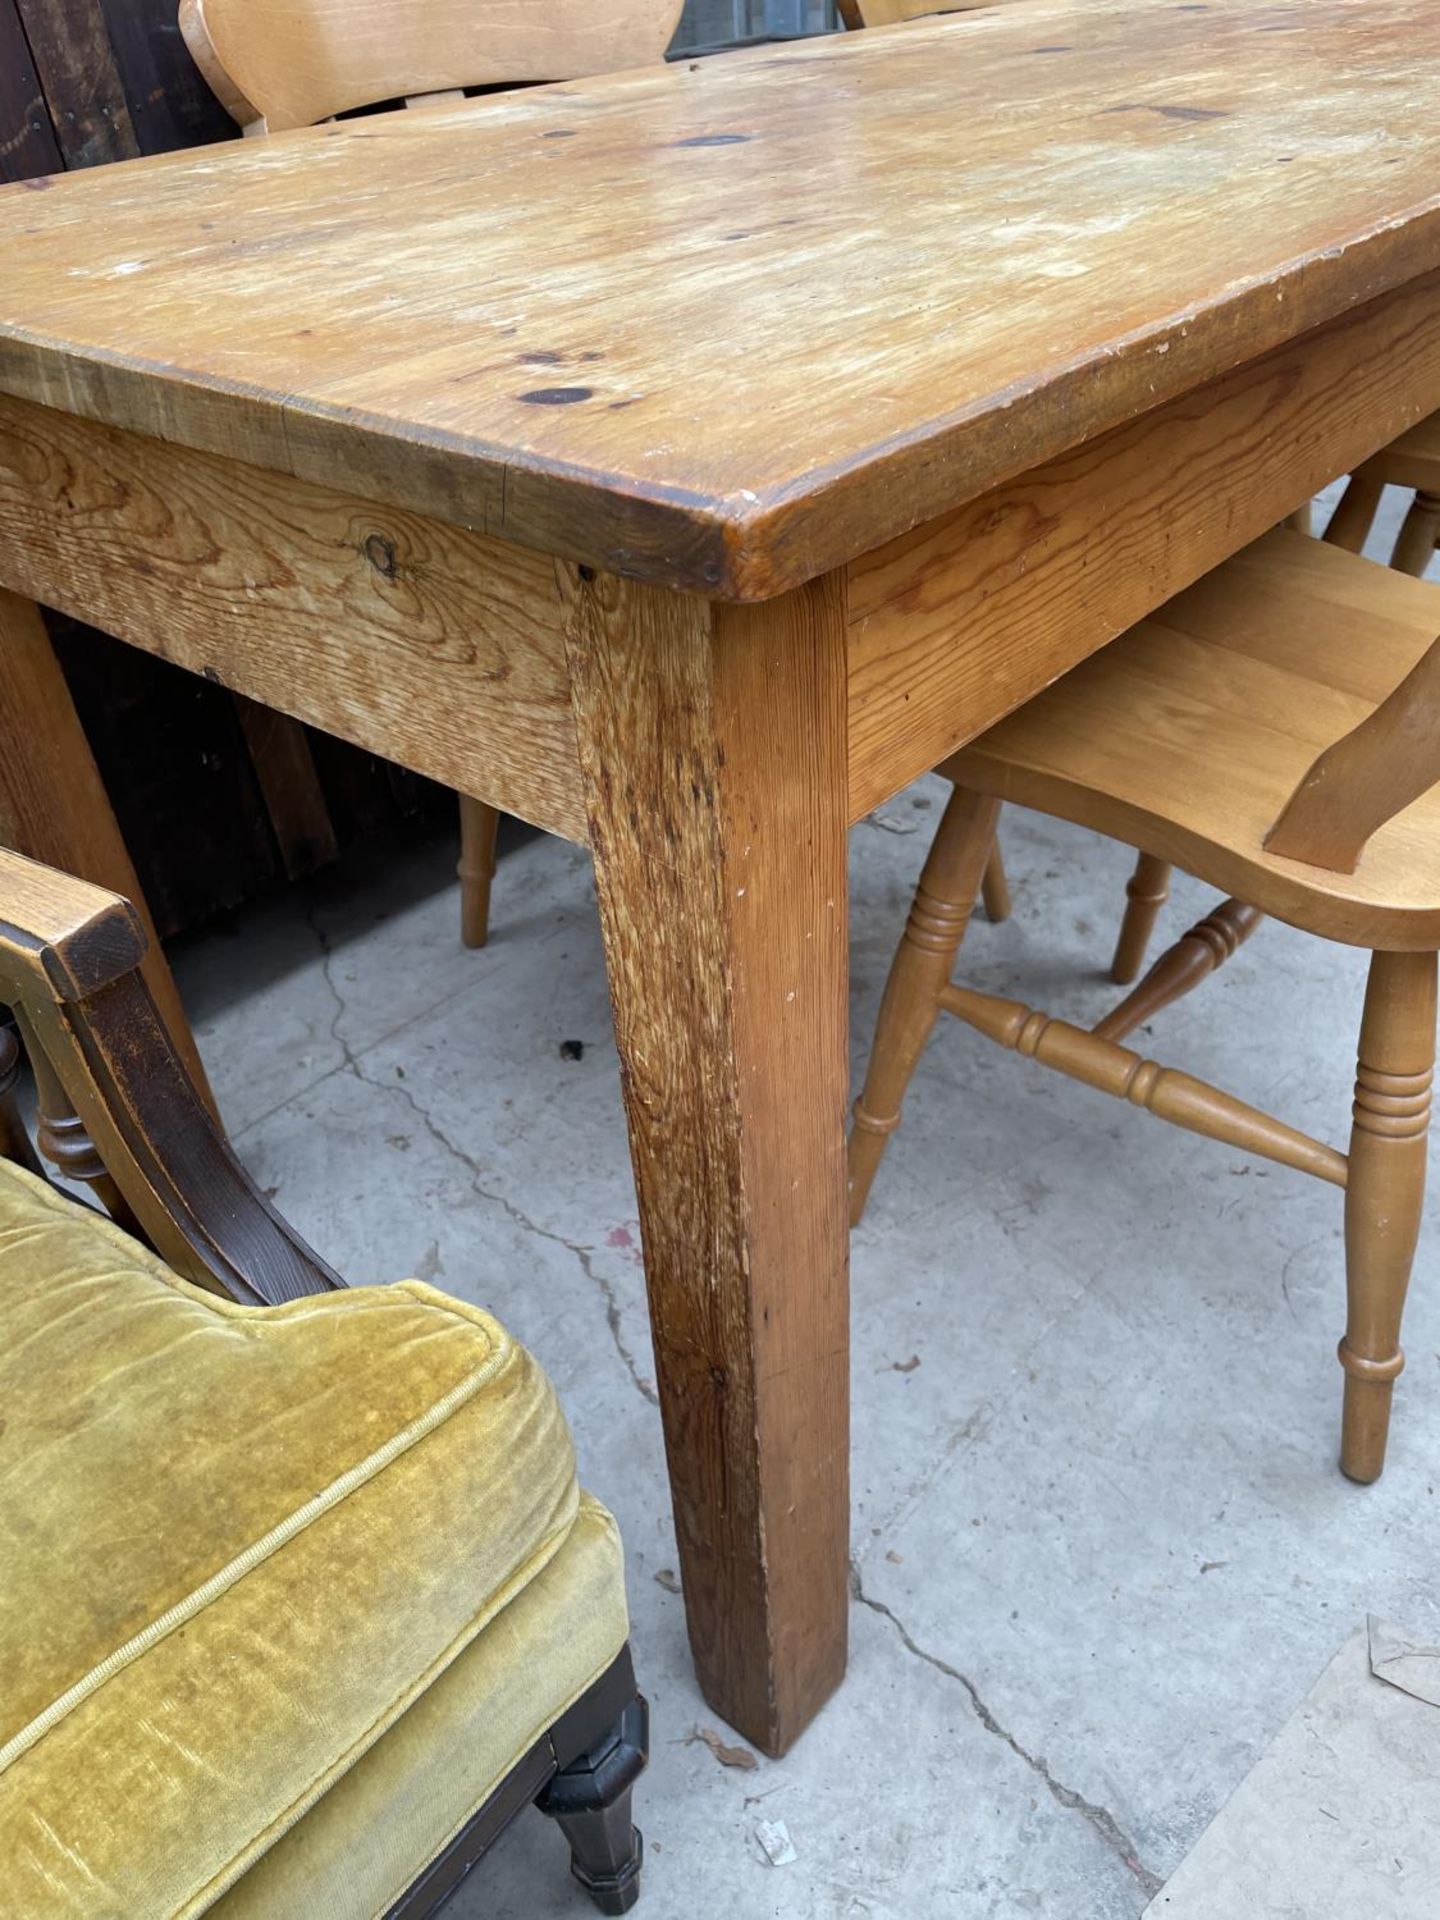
[(590, 1800)]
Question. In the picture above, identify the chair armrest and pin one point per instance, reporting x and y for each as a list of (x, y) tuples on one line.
[(62, 935), (69, 955)]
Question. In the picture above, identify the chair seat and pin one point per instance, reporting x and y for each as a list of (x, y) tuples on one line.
[(1186, 736), (259, 1561), (1414, 459)]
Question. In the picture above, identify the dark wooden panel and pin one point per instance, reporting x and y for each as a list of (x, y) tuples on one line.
[(27, 139), (170, 749), (170, 104), (76, 64)]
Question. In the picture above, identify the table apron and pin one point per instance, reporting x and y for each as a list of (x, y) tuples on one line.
[(440, 648), (955, 624), (445, 649)]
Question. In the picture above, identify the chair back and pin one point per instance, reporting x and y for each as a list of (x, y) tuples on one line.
[(276, 64)]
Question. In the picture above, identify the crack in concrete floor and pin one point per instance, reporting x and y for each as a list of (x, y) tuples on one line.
[(583, 1254), (1104, 1823), (1100, 1819)]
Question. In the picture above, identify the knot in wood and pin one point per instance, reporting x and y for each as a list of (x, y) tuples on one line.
[(380, 552)]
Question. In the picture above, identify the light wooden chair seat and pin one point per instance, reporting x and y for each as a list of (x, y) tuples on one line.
[(1276, 730), (1188, 735)]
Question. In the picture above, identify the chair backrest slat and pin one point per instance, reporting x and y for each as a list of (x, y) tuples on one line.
[(1367, 776), (290, 63)]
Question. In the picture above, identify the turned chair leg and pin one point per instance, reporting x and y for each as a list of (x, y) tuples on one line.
[(1354, 516), (1384, 1195), (590, 1802), (1416, 546), (995, 888), (921, 969), (479, 824), (1147, 890)]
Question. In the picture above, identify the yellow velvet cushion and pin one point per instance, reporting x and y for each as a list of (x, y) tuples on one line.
[(236, 1544), (384, 1821)]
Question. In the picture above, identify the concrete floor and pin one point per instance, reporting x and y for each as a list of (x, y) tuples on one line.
[(1101, 1549)]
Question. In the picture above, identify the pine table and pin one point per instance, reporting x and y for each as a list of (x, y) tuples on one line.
[(684, 462)]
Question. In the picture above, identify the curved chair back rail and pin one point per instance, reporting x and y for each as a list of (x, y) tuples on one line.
[(276, 64)]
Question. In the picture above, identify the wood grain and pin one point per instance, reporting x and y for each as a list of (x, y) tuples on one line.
[(956, 624), (647, 321), (712, 744), (295, 64), (436, 647), (1188, 736)]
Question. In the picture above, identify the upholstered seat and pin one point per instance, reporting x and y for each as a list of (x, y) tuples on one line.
[(284, 1592)]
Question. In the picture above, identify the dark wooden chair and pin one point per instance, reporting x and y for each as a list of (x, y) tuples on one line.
[(301, 1603)]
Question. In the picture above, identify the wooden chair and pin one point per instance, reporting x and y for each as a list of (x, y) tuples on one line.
[(1411, 461), (301, 1602), (278, 64), (1276, 731)]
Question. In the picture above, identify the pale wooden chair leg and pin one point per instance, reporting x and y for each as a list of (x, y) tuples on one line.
[(920, 971), (1354, 516), (1180, 969), (479, 824), (995, 888), (1146, 892), (1384, 1194), (1300, 520), (1416, 546)]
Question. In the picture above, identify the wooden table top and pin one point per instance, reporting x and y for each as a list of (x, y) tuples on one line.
[(731, 323)]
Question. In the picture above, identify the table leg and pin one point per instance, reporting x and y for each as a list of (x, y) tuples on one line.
[(712, 741), (53, 805)]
